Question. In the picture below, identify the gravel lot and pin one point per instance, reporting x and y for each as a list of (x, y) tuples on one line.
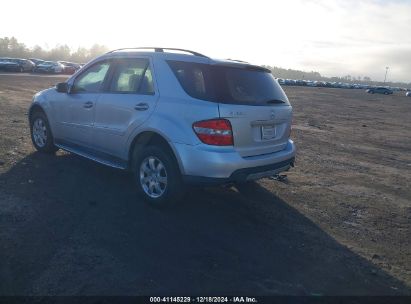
[(340, 224)]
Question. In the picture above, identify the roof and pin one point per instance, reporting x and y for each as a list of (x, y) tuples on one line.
[(183, 55)]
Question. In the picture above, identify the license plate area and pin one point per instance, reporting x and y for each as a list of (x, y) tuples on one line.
[(268, 132)]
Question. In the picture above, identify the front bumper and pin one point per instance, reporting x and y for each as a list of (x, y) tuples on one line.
[(208, 164)]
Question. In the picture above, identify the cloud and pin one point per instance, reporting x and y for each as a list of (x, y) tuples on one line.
[(367, 36), (333, 37), (362, 61), (397, 58)]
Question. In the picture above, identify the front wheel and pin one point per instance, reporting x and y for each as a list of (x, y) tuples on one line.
[(41, 135), (157, 176)]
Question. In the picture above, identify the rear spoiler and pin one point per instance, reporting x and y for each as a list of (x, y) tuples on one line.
[(241, 65)]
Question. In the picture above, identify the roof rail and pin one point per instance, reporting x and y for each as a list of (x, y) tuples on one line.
[(237, 60), (159, 50)]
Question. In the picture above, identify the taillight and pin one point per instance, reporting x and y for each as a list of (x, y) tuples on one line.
[(216, 132)]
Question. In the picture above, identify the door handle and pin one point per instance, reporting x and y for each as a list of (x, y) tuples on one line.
[(88, 104), (142, 106)]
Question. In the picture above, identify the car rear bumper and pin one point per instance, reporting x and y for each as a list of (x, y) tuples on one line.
[(44, 70), (242, 175), (205, 164)]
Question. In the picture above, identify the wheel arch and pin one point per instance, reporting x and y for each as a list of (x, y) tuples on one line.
[(35, 108), (148, 138)]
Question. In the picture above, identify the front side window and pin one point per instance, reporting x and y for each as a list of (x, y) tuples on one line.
[(132, 75), (91, 81)]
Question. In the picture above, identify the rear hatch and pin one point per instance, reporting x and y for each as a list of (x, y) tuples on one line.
[(248, 96), (257, 108)]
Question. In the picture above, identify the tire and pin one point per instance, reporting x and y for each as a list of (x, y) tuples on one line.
[(40, 132), (156, 171)]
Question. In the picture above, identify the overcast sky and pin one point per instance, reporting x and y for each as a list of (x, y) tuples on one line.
[(356, 37)]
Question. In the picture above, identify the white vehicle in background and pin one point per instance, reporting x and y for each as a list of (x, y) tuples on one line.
[(408, 94), (49, 67)]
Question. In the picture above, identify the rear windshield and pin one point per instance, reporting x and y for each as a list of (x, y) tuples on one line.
[(233, 85)]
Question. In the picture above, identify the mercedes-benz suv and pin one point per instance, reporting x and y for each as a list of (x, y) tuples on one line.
[(171, 116)]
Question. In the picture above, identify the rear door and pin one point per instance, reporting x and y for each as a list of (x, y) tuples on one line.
[(257, 108), (126, 103)]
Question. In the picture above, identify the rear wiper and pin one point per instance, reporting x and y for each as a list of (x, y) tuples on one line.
[(275, 101)]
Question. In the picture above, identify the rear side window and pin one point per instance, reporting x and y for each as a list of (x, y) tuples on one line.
[(194, 79), (132, 75), (246, 85)]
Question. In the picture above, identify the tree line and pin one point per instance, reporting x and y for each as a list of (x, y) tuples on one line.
[(11, 47), (302, 75)]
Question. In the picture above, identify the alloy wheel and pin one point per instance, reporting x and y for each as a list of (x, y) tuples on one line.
[(40, 132), (153, 177)]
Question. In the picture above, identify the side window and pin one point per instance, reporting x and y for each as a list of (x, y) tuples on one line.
[(193, 78), (92, 79), (132, 75)]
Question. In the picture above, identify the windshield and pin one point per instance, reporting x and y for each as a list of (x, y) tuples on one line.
[(225, 84)]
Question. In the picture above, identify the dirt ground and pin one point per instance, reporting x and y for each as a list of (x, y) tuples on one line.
[(340, 224)]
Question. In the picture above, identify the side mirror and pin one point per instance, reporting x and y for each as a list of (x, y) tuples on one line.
[(62, 87)]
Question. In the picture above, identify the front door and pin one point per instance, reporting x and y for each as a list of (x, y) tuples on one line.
[(77, 108)]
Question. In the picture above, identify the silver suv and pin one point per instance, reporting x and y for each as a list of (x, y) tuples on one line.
[(171, 116)]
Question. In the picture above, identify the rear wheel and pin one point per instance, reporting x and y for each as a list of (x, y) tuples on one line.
[(157, 176), (41, 135)]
